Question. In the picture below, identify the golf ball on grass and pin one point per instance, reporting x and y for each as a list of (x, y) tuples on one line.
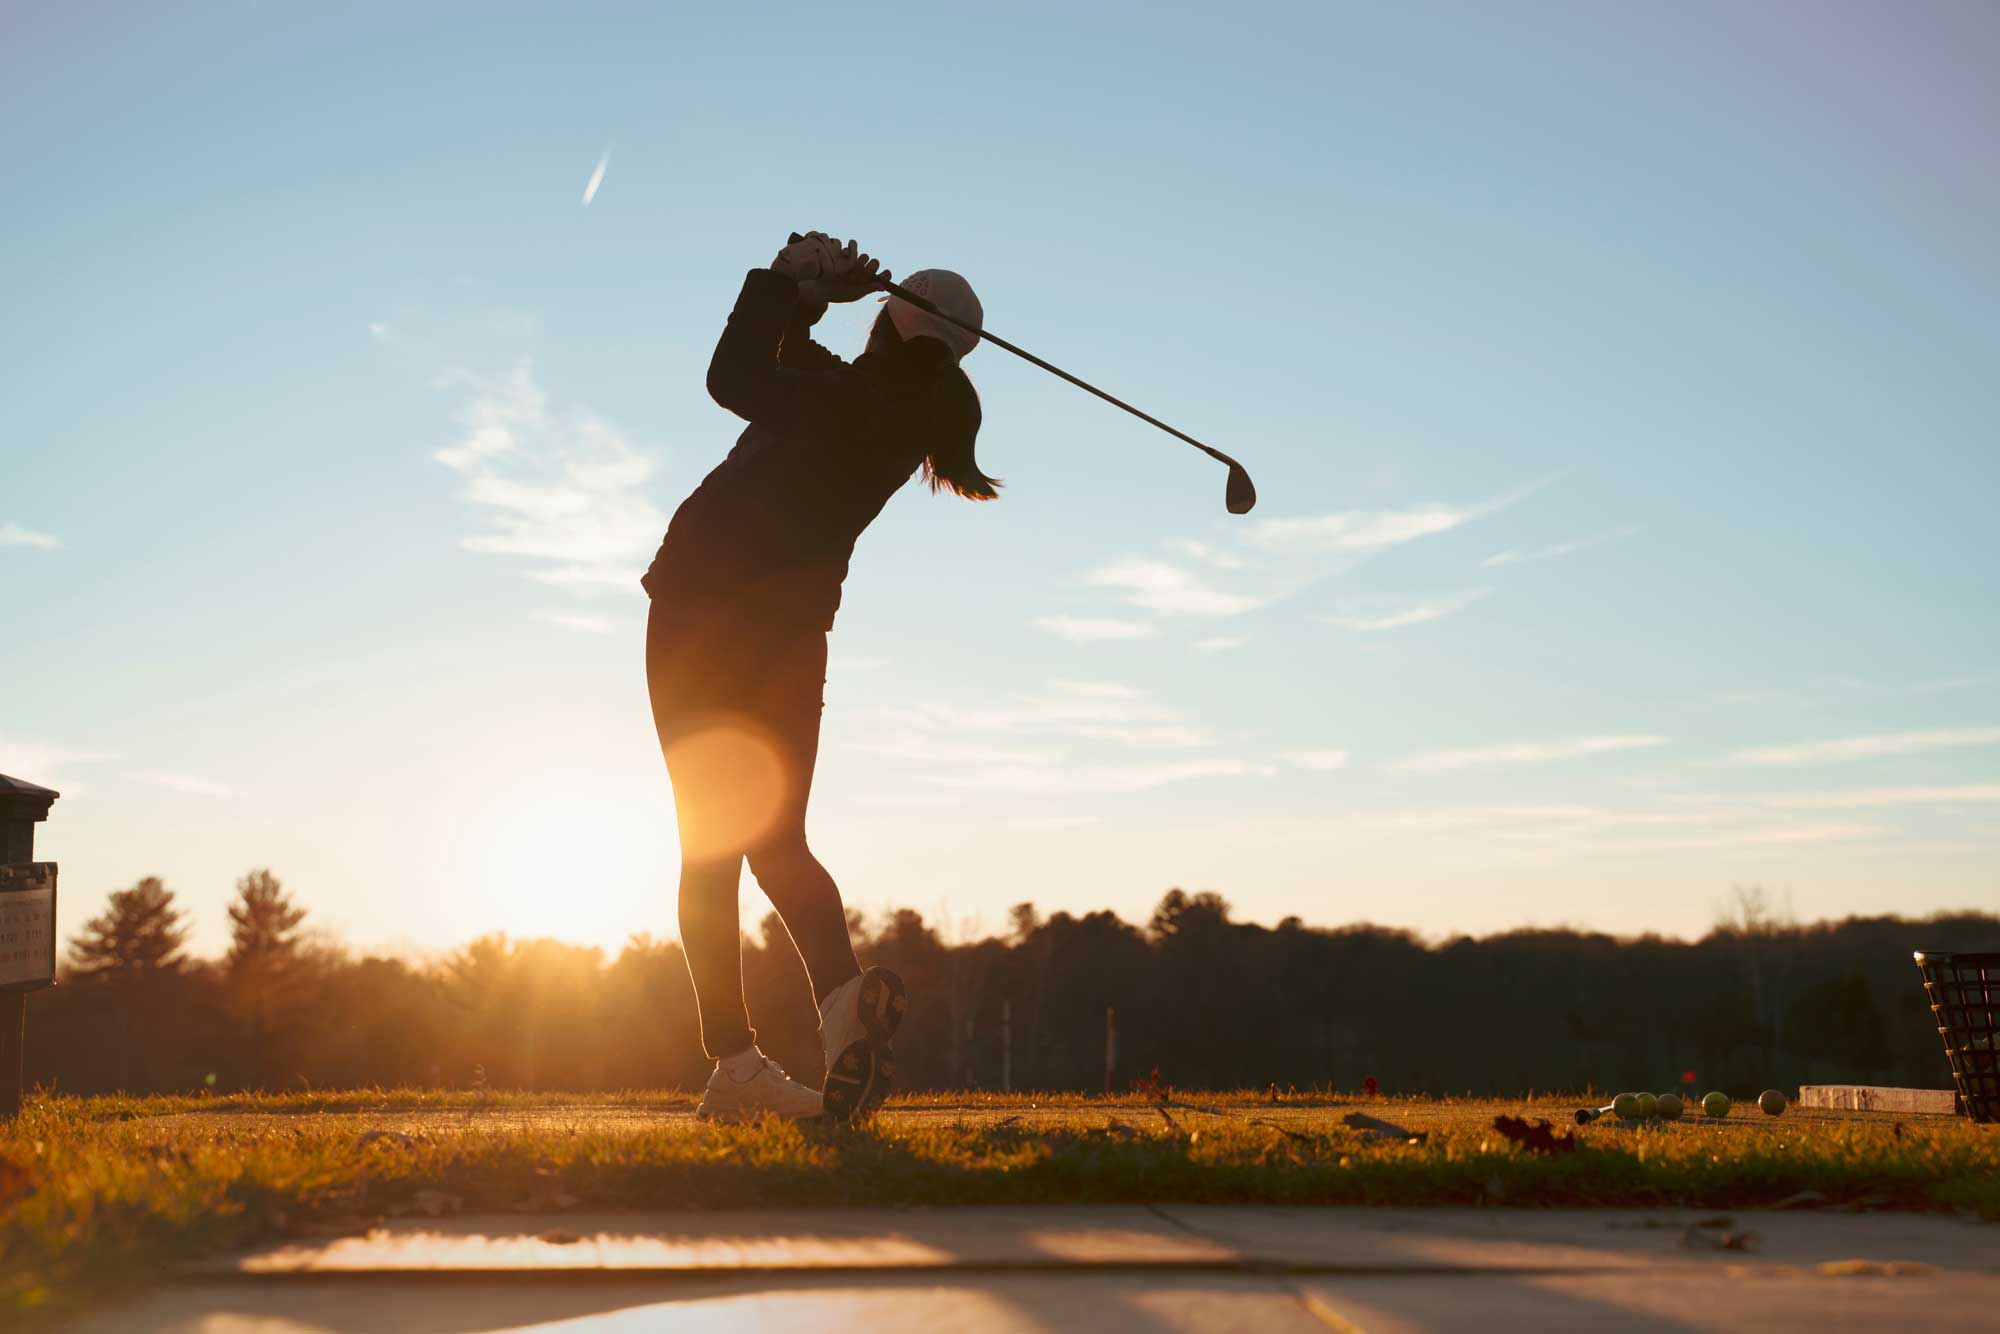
[(1649, 1106), (1625, 1107), (1772, 1101), (1670, 1107), (1716, 1105)]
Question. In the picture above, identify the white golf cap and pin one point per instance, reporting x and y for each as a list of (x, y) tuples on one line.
[(949, 293)]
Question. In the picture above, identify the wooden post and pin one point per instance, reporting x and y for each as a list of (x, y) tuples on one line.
[(1110, 1044), (27, 927), (1006, 1046)]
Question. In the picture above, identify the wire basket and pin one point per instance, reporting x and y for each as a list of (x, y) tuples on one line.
[(1964, 991)]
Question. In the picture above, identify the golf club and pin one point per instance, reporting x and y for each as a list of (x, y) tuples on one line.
[(1238, 496)]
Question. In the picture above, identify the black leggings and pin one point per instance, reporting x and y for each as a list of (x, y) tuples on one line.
[(739, 726)]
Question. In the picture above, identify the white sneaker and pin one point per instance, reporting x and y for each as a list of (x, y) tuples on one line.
[(768, 1092), (856, 1023)]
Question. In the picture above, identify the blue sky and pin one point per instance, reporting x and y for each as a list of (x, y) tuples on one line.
[(1619, 384)]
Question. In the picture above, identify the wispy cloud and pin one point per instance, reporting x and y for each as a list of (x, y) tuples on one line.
[(1089, 630), (1066, 780), (1207, 553), (1962, 794), (1517, 556), (380, 331), (1369, 613), (1220, 643), (1169, 589), (14, 535), (196, 787), (43, 762), (1025, 746), (1518, 754), (907, 799), (566, 491), (576, 620), (1962, 682), (1099, 689), (923, 746), (596, 178), (1324, 760), (1868, 747), (1572, 829), (1359, 531)]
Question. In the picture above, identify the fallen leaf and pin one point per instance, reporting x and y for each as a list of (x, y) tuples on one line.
[(1537, 1138), (1373, 1126)]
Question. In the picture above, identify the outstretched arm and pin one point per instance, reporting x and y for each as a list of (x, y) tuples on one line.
[(748, 377)]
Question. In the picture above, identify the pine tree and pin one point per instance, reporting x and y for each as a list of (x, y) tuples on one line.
[(263, 925), (139, 935)]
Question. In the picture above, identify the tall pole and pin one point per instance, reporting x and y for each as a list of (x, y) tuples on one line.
[(1110, 1044), (1006, 1046)]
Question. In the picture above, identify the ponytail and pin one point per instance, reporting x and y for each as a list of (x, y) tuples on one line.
[(950, 466)]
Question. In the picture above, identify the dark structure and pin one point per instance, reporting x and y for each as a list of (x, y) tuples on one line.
[(1964, 992), (27, 925)]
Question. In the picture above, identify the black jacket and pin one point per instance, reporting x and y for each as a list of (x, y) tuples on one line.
[(764, 541)]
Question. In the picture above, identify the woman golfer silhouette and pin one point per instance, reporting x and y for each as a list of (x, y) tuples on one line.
[(744, 591)]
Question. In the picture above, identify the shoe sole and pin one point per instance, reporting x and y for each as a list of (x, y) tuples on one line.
[(862, 1075)]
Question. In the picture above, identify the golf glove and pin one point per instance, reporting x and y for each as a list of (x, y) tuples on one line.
[(806, 257), (845, 273)]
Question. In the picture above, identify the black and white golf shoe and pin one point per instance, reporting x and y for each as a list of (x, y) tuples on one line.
[(856, 1023)]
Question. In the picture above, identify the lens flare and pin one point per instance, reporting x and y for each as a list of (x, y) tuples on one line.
[(730, 783)]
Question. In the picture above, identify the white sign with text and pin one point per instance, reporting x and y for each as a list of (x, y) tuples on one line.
[(27, 924)]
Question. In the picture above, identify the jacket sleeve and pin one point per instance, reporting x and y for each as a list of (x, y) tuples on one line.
[(799, 351), (747, 377)]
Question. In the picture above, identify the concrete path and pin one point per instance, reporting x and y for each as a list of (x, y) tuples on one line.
[(1103, 1269)]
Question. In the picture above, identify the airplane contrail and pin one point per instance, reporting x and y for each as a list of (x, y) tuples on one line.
[(596, 179)]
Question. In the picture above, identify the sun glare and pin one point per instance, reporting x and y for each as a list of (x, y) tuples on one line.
[(552, 864)]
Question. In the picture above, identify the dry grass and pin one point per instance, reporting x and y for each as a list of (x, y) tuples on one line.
[(98, 1194)]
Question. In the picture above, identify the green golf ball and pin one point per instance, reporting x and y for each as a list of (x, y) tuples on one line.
[(1670, 1107), (1772, 1101), (1625, 1107), (1716, 1105), (1649, 1106)]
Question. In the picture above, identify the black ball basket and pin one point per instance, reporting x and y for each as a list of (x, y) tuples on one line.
[(1964, 990)]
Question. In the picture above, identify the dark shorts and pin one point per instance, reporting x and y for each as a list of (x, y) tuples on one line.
[(738, 715)]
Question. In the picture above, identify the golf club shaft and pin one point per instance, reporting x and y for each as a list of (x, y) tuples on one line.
[(895, 289)]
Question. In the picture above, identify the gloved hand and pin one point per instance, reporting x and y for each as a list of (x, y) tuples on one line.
[(805, 257), (845, 273)]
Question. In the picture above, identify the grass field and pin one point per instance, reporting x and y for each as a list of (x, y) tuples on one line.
[(102, 1193)]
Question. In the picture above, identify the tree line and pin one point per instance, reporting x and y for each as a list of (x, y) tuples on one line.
[(1203, 999)]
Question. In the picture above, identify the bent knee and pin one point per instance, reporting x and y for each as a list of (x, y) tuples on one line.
[(780, 858)]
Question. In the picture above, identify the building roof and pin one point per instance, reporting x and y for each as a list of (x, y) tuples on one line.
[(17, 794)]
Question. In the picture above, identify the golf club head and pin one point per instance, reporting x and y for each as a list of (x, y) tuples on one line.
[(1240, 496)]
